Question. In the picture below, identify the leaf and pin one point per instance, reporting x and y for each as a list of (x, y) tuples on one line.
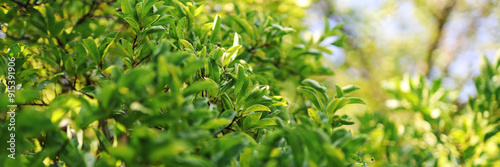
[(181, 26), (90, 88), (256, 107), (264, 123), (339, 42), (187, 44), (491, 133), (311, 94), (336, 104), (243, 24), (313, 114), (227, 103), (92, 49), (126, 47), (128, 8), (163, 20), (124, 152), (148, 21), (216, 123), (255, 95), (251, 120), (198, 10), (230, 55), (355, 100), (43, 84), (349, 88), (215, 28), (241, 78), (133, 23), (153, 30), (228, 114), (56, 28), (199, 86), (106, 43), (340, 92), (147, 6), (316, 86)]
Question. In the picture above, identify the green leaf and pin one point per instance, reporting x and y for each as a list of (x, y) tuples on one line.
[(255, 95), (181, 26), (163, 20), (340, 92), (339, 42), (227, 103), (256, 107), (241, 78), (124, 152), (216, 123), (228, 114), (92, 49), (56, 28), (251, 120), (349, 88), (88, 89), (313, 114), (492, 133), (355, 100), (198, 10), (106, 43), (311, 94), (215, 28), (243, 24), (147, 7), (336, 104), (126, 47), (199, 86), (230, 54), (265, 123), (148, 21), (316, 86), (43, 84), (187, 44), (128, 8)]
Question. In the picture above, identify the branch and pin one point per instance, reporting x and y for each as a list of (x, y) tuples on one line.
[(441, 19), (34, 104), (74, 88), (140, 61), (23, 38)]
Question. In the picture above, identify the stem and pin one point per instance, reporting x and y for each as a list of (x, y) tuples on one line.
[(434, 44)]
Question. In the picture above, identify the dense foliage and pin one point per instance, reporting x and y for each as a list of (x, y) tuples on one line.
[(155, 83), (183, 83)]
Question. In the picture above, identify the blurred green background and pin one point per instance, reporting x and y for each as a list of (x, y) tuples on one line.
[(391, 38), (391, 44)]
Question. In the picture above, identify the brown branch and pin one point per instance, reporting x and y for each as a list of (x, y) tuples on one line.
[(74, 88), (441, 21), (23, 38), (140, 61), (34, 104)]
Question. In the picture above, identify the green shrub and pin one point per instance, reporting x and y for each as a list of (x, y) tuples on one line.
[(440, 131), (170, 83)]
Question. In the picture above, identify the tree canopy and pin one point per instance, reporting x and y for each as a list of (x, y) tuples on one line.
[(216, 83)]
